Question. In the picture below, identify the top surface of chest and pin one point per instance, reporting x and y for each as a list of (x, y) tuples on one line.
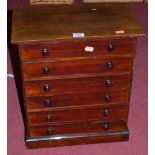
[(90, 20)]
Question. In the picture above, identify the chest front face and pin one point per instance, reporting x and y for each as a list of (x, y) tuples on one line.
[(76, 78)]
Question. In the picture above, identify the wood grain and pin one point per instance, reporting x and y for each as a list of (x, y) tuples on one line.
[(60, 22), (35, 104), (63, 50), (78, 128), (77, 67), (32, 143), (74, 86), (114, 1), (34, 2), (77, 115)]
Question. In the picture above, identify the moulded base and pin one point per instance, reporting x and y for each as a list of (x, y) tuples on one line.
[(76, 139)]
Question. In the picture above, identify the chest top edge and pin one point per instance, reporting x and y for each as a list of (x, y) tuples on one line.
[(74, 22)]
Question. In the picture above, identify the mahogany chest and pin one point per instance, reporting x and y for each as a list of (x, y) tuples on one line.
[(77, 63)]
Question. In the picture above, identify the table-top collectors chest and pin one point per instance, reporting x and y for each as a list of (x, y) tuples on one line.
[(77, 64)]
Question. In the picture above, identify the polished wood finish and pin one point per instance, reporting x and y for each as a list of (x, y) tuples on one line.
[(61, 22), (113, 1), (78, 114), (76, 89), (78, 128), (34, 2), (77, 139), (77, 67), (55, 50), (46, 103), (76, 85)]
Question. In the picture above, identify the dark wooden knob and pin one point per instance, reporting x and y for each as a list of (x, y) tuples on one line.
[(47, 102), (108, 83), (46, 87), (106, 112), (46, 70), (45, 52), (49, 130), (49, 117), (106, 126), (107, 98), (109, 65), (110, 47)]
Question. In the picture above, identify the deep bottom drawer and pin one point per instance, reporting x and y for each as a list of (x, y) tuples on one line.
[(78, 128)]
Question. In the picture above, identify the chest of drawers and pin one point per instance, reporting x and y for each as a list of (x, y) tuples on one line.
[(77, 64)]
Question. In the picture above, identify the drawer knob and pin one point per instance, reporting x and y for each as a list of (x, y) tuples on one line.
[(47, 102), (110, 47), (107, 98), (46, 70), (46, 87), (108, 82), (50, 130), (45, 52), (106, 126), (106, 112), (109, 65), (49, 118)]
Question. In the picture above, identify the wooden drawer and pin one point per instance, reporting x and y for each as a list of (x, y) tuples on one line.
[(78, 128), (74, 49), (77, 67), (78, 114), (76, 85), (47, 102)]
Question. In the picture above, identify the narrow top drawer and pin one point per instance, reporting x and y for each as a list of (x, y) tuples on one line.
[(78, 48)]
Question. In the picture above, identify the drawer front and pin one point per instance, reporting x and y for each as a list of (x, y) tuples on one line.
[(51, 102), (32, 70), (77, 85), (81, 114), (78, 128), (74, 49)]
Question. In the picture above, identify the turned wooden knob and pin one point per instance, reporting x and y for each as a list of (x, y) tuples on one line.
[(106, 126), (46, 70), (46, 87), (107, 98), (49, 130), (106, 112), (49, 117), (47, 102), (109, 65), (45, 52), (108, 82), (110, 47)]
